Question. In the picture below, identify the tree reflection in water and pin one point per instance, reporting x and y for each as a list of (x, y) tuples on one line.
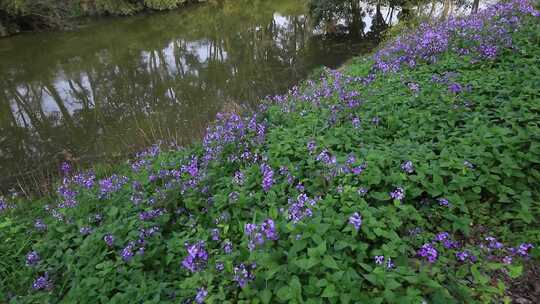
[(117, 85)]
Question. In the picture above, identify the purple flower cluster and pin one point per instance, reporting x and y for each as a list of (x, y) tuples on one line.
[(42, 283), (85, 230), (311, 146), (109, 239), (3, 204), (407, 167), (268, 177), (362, 191), (326, 158), (398, 194), (227, 247), (214, 234), (202, 293), (485, 33), (465, 255), (355, 220), (443, 202), (243, 274), (39, 225), (379, 260), (300, 208), (85, 179), (111, 184), (67, 194), (239, 178), (197, 257), (493, 243), (65, 167), (446, 240), (132, 248), (259, 234), (428, 252), (356, 122), (151, 214), (32, 258)]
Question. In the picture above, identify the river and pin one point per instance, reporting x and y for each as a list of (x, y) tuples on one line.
[(116, 85)]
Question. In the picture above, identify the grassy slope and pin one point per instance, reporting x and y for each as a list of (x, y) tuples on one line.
[(493, 125)]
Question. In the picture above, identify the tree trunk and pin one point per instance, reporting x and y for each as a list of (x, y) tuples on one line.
[(475, 5)]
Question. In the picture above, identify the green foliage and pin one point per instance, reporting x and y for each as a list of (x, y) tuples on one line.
[(56, 13), (322, 258)]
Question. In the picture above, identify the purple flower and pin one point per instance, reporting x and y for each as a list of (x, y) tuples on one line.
[(449, 244), (220, 266), (359, 169), (300, 208), (407, 167), (507, 260), (65, 167), (242, 275), (109, 240), (398, 194), (442, 236), (32, 258), (215, 234), (311, 146), (455, 88), (443, 202), (111, 184), (227, 247), (42, 283), (488, 51), (523, 249), (326, 158), (390, 264), (40, 225), (428, 252), (127, 252), (463, 256), (379, 259), (268, 175), (250, 228), (239, 178), (468, 164), (493, 243), (3, 204), (233, 196), (149, 215), (201, 295), (259, 234), (362, 191), (413, 86), (355, 220), (196, 258), (269, 229), (85, 230), (356, 122)]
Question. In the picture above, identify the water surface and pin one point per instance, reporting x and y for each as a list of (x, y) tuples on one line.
[(118, 84)]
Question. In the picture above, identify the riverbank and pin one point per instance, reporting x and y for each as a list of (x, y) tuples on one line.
[(410, 176), (23, 16)]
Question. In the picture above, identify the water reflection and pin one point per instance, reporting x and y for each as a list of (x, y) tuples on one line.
[(119, 84)]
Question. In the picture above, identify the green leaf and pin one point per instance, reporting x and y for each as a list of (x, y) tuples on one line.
[(266, 296), (515, 271), (329, 262), (329, 291), (284, 293)]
